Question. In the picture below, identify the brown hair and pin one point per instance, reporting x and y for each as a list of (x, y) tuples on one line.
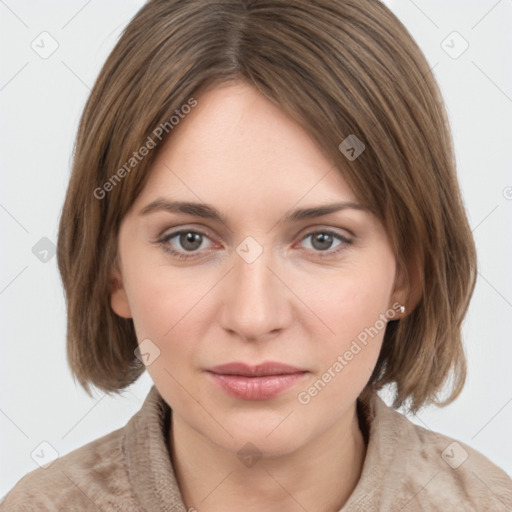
[(337, 67)]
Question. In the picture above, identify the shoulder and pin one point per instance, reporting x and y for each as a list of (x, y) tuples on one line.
[(431, 471), (92, 477)]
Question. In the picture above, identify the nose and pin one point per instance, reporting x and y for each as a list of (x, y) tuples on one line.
[(255, 301)]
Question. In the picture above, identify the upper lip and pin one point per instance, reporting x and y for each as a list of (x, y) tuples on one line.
[(263, 369)]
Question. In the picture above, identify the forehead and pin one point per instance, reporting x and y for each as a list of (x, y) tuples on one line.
[(237, 147)]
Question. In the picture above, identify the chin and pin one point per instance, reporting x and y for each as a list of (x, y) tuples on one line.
[(262, 436)]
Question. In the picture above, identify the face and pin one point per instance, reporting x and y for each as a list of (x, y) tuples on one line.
[(257, 284)]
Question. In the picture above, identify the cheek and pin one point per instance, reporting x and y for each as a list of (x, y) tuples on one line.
[(165, 312), (350, 300), (351, 304), (169, 309), (353, 310), (161, 297)]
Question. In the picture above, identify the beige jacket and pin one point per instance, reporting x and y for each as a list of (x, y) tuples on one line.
[(407, 468)]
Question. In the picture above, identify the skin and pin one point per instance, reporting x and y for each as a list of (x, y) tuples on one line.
[(240, 153)]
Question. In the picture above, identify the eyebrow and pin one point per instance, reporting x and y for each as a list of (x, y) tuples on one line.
[(207, 211)]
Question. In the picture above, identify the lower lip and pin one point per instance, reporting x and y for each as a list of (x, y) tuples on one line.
[(256, 388)]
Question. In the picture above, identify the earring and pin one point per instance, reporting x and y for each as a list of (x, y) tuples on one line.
[(402, 309)]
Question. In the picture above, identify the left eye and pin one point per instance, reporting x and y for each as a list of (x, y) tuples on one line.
[(321, 241)]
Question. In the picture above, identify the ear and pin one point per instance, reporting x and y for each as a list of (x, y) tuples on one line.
[(117, 292), (408, 288)]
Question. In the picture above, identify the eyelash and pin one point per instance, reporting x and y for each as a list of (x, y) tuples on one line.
[(163, 242)]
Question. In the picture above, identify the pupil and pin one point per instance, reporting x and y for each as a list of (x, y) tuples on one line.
[(324, 240), (190, 241)]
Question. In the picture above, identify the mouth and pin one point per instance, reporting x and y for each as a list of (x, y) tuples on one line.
[(260, 382), (266, 369)]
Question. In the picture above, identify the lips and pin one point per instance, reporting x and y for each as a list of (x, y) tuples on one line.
[(261, 382), (267, 368)]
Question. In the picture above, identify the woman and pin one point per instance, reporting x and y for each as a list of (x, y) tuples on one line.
[(264, 213)]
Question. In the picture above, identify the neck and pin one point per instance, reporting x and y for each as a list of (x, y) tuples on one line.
[(320, 475)]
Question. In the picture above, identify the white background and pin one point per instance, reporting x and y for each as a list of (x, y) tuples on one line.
[(40, 104)]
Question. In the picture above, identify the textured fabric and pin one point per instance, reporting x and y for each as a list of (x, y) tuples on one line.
[(407, 468)]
